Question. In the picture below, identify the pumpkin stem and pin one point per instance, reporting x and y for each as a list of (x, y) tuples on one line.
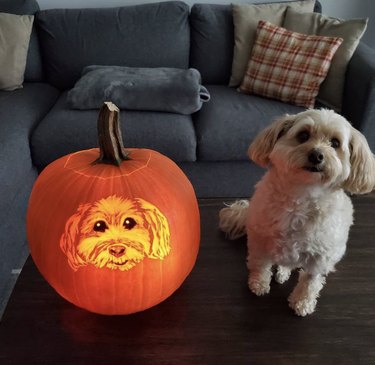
[(111, 147)]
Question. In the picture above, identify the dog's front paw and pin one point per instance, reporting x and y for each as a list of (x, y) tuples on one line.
[(302, 307), (282, 274), (259, 287)]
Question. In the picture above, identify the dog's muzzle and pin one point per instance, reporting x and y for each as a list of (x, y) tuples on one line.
[(316, 159), (117, 250)]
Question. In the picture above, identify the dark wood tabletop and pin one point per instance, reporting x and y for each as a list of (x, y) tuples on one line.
[(212, 319)]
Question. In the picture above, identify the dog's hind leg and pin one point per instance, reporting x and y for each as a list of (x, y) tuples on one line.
[(304, 297)]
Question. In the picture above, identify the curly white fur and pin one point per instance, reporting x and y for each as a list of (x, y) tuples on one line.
[(299, 215)]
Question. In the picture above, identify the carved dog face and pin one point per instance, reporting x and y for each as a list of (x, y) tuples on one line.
[(115, 233)]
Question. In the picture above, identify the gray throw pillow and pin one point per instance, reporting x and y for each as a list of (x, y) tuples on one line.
[(154, 89)]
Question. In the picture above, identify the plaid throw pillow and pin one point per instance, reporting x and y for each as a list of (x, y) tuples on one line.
[(288, 66)]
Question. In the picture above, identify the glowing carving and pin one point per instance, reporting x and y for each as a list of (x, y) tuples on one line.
[(116, 233)]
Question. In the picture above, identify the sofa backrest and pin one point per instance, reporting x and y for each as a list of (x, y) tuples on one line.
[(33, 71), (212, 41), (148, 35)]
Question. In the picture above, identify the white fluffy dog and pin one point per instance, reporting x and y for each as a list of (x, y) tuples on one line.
[(299, 215)]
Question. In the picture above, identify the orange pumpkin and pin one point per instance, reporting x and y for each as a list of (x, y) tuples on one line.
[(113, 231)]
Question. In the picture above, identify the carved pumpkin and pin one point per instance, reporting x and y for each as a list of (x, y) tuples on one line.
[(113, 231)]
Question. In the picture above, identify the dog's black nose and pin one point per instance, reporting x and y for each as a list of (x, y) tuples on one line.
[(117, 251), (316, 157)]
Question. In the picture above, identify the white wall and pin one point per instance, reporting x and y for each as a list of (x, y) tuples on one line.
[(347, 9), (338, 8)]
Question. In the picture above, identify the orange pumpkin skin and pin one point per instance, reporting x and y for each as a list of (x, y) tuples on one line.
[(72, 182)]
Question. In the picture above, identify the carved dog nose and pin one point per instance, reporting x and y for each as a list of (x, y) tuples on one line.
[(117, 251), (316, 157)]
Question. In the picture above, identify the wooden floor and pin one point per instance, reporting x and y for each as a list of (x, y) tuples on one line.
[(212, 319)]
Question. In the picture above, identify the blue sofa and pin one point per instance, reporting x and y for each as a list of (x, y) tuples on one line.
[(37, 126)]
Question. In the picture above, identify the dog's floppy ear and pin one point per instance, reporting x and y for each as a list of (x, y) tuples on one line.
[(362, 172), (159, 230), (68, 240), (264, 142)]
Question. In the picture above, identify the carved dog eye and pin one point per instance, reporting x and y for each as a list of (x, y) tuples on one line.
[(303, 136), (129, 223), (100, 226)]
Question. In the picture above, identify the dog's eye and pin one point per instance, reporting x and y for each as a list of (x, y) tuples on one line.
[(100, 226), (303, 136), (335, 143), (129, 223)]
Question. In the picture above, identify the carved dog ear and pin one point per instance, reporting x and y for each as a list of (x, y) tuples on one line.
[(159, 230), (362, 172), (68, 240), (264, 142)]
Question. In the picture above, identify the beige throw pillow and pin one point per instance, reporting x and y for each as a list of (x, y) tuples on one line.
[(15, 31), (331, 90), (245, 19)]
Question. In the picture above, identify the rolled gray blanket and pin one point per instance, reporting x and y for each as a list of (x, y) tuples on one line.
[(157, 89)]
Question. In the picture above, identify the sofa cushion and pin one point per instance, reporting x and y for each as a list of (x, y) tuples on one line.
[(288, 66), (212, 41), (66, 130), (147, 35), (226, 179), (33, 70), (230, 121)]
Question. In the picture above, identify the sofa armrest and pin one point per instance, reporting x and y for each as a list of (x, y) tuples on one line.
[(359, 92)]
